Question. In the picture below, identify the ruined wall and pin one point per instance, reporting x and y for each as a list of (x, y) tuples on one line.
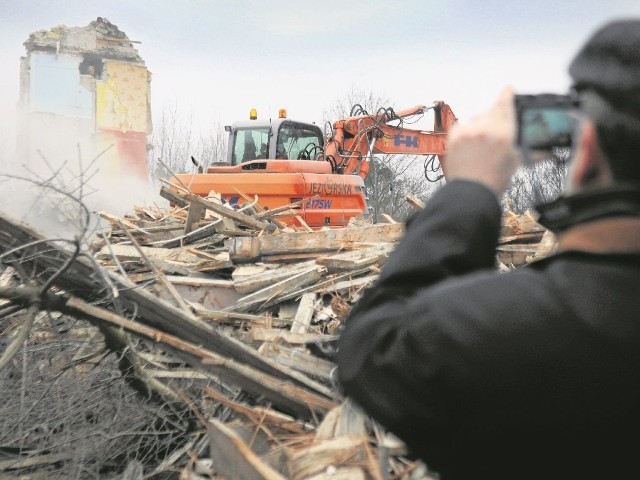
[(85, 90)]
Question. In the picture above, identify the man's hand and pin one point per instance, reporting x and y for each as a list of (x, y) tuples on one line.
[(484, 150)]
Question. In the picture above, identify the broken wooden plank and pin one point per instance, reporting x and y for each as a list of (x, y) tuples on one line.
[(298, 360), (275, 335), (203, 231), (350, 451), (168, 267), (344, 420), (339, 287), (529, 237), (318, 287), (181, 198), (196, 212), (233, 458), (260, 415), (355, 259), (306, 309), (290, 209), (238, 319), (513, 224), (209, 261), (548, 244), (254, 282), (112, 219), (304, 224), (248, 249), (414, 201), (129, 252), (271, 293)]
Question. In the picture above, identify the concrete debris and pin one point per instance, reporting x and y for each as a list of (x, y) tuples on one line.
[(100, 37)]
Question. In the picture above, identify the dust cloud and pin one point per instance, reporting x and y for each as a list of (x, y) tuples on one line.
[(59, 189)]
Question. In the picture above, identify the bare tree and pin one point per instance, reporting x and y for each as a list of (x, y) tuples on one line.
[(176, 141), (541, 182)]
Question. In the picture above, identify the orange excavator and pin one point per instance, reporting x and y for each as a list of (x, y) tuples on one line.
[(282, 162)]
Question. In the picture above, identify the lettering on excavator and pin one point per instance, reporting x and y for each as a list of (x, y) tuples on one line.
[(318, 204), (329, 187), (231, 200), (410, 141)]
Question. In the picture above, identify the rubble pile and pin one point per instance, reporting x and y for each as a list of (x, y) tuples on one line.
[(247, 310)]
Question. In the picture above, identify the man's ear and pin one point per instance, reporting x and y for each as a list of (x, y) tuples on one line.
[(590, 166)]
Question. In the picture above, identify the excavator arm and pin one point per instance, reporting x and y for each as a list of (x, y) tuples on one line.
[(354, 140)]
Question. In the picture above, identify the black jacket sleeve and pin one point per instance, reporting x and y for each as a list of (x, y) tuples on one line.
[(390, 357)]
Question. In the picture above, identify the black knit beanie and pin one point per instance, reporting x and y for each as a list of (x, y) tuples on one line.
[(609, 64)]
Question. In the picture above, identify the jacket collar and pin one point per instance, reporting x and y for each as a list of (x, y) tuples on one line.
[(608, 235)]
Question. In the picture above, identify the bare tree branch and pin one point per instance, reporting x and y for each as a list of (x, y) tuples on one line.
[(23, 333)]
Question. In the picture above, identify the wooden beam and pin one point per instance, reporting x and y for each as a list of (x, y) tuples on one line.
[(238, 217), (305, 462), (298, 359), (254, 282), (355, 259), (306, 309), (252, 248), (271, 293), (414, 201), (233, 458), (277, 334), (196, 212)]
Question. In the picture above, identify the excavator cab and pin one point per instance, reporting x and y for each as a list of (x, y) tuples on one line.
[(249, 144), (282, 139)]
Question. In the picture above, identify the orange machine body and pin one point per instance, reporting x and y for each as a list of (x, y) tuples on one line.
[(327, 199)]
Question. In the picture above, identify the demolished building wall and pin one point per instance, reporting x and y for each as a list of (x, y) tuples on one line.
[(85, 89)]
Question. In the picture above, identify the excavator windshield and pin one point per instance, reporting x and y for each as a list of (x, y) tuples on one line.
[(250, 144), (297, 140)]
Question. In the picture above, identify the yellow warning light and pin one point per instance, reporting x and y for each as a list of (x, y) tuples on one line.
[(253, 114), (282, 113)]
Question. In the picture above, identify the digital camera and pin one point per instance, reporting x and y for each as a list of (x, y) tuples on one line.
[(545, 120)]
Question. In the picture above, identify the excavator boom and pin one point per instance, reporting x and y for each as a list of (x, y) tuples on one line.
[(354, 140)]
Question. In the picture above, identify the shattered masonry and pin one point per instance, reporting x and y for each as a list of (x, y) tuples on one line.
[(85, 86)]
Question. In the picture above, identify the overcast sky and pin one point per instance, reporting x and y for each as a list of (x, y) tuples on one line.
[(216, 59)]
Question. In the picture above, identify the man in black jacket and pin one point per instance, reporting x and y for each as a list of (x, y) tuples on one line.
[(534, 373)]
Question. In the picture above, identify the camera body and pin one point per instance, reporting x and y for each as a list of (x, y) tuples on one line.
[(545, 121)]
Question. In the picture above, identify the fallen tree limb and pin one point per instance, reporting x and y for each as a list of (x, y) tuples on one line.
[(283, 394)]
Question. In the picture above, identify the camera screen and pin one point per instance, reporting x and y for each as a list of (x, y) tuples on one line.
[(545, 120), (545, 128)]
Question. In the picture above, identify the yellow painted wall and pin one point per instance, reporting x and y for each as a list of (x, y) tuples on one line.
[(122, 99)]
